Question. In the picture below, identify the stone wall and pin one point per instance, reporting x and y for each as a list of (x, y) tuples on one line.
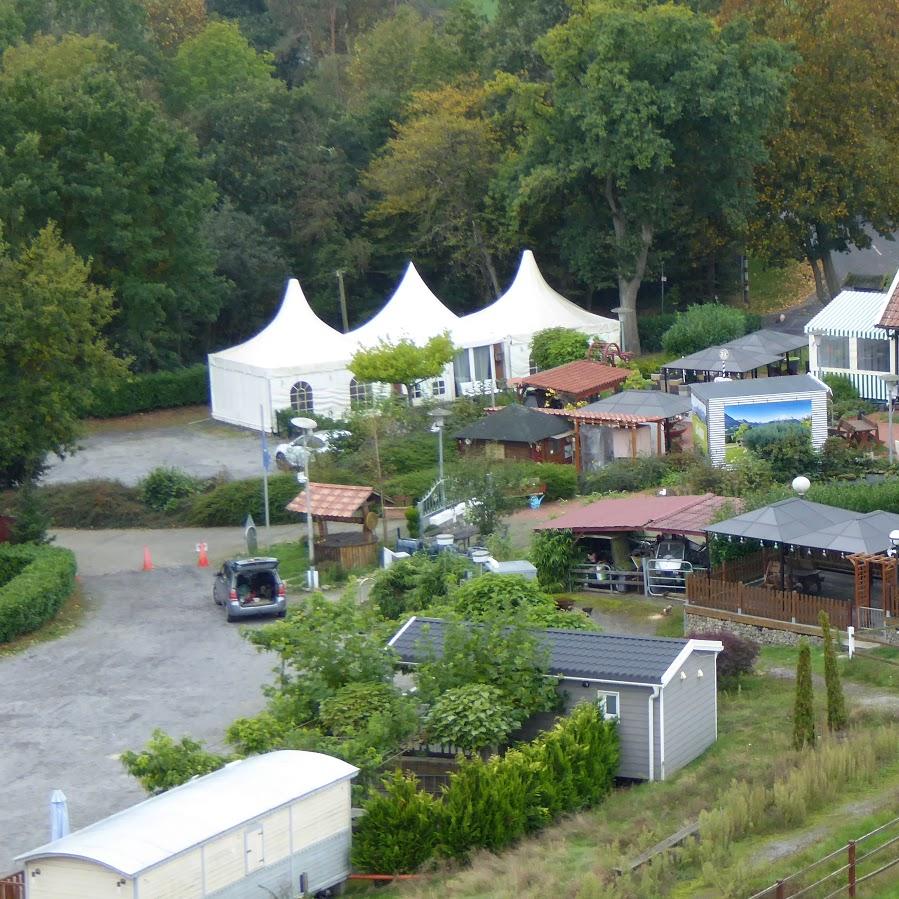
[(768, 633)]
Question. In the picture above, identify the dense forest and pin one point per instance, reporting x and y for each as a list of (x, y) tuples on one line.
[(194, 154)]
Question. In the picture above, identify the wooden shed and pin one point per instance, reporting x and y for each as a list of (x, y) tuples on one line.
[(274, 824), (516, 432)]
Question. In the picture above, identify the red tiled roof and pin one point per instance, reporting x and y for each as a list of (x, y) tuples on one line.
[(694, 519), (633, 513), (333, 502), (580, 379), (890, 317)]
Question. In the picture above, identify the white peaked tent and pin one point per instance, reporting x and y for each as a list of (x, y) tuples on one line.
[(412, 313), (295, 361), (496, 340)]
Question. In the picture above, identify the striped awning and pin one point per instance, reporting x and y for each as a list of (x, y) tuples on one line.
[(852, 313)]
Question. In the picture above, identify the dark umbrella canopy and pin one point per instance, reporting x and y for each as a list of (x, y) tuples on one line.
[(767, 341), (866, 534), (738, 361), (646, 403)]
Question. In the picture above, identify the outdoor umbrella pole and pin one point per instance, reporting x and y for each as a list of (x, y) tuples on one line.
[(782, 566)]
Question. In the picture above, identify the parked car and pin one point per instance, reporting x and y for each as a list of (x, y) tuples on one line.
[(248, 587), (325, 442)]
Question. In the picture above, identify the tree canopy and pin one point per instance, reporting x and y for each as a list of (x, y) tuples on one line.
[(403, 362)]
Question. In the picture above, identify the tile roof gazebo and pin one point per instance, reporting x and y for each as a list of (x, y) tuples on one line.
[(346, 503), (575, 381)]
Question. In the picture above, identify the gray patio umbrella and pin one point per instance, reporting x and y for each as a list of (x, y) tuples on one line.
[(866, 534), (59, 815), (768, 341), (649, 403), (787, 521), (736, 360)]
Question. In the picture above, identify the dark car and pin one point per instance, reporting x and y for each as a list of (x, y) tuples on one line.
[(247, 587)]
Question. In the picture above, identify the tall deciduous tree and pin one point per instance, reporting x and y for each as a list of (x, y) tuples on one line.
[(79, 145), (649, 108), (172, 22), (435, 175), (832, 166), (52, 354)]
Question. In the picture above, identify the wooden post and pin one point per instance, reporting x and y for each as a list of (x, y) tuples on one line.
[(633, 443), (851, 867), (779, 891), (577, 445)]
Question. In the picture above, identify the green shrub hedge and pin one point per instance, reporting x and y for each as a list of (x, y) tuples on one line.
[(489, 805), (100, 504), (43, 578), (156, 390), (228, 504)]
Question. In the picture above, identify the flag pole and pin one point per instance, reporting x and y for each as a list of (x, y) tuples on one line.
[(265, 463)]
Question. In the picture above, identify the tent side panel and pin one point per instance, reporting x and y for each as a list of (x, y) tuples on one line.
[(236, 396), (224, 860), (330, 391), (67, 878), (321, 815), (182, 876)]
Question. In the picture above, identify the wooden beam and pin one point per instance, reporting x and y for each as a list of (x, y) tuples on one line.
[(577, 445), (633, 443)]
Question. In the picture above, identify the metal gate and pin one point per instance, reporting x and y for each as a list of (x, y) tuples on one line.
[(660, 577)]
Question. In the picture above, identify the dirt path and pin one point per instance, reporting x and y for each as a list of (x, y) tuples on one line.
[(863, 696)]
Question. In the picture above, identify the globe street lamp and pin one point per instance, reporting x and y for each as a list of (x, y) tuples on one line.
[(307, 426)]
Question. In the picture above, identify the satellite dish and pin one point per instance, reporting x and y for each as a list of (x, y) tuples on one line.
[(371, 521)]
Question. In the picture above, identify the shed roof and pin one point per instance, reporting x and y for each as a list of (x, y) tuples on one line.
[(573, 653), (153, 831), (333, 502), (642, 403), (737, 360), (631, 513), (851, 313), (514, 424), (757, 387), (890, 316), (580, 379), (693, 519)]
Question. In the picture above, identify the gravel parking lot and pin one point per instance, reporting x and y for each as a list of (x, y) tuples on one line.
[(153, 651)]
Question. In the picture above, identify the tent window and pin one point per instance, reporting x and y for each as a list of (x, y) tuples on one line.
[(462, 366), (301, 397), (438, 387), (481, 363), (532, 366), (833, 352), (361, 394), (873, 355)]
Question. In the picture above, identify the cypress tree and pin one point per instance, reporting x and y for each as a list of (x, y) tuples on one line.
[(803, 710), (836, 703)]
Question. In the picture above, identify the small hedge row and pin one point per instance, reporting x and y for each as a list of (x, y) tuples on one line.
[(229, 503), (155, 390), (44, 580), (489, 805)]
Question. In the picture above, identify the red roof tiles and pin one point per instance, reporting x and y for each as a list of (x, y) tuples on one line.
[(333, 502), (890, 317), (580, 380)]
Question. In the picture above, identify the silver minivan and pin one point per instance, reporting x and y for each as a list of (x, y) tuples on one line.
[(248, 587)]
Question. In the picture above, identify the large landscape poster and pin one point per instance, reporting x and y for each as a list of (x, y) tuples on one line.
[(742, 417)]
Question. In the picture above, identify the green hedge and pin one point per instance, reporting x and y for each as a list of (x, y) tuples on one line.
[(44, 580), (489, 805), (157, 390), (228, 504)]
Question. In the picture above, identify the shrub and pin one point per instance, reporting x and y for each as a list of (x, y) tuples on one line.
[(560, 480), (836, 703), (413, 521), (163, 488), (652, 328), (626, 475), (99, 504), (786, 446), (410, 585), (735, 660), (157, 390), (36, 581), (412, 485), (164, 764), (554, 553), (473, 717), (251, 736), (229, 504), (860, 497), (803, 707), (398, 832), (556, 346), (703, 326), (31, 516), (350, 708)]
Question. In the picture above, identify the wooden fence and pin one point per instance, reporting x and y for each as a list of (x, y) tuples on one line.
[(746, 568), (780, 605), (12, 886)]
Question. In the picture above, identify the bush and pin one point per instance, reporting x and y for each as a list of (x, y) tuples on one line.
[(99, 504), (158, 390), (785, 446), (557, 346), (554, 553), (652, 329), (31, 516), (626, 475), (229, 504), (860, 497), (164, 764), (735, 660), (703, 326), (398, 833), (413, 485), (473, 717), (560, 480), (413, 521), (349, 709), (410, 585), (163, 488), (36, 581), (251, 736)]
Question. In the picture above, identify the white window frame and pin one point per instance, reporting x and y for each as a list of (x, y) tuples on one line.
[(438, 387), (861, 345), (601, 696), (825, 343), (302, 389)]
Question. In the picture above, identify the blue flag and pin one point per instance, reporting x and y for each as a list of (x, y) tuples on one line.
[(266, 455)]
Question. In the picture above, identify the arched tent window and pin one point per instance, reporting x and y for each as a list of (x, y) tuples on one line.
[(301, 397), (361, 394)]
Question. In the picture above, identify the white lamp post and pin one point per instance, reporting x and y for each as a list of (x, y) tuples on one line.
[(801, 484), (440, 416), (307, 426), (890, 380)]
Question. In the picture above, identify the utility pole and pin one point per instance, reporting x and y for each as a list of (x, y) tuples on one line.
[(343, 316)]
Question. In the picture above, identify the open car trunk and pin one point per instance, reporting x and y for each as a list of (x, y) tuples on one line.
[(257, 588)]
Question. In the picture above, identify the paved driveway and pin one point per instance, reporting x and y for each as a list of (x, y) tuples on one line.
[(153, 651)]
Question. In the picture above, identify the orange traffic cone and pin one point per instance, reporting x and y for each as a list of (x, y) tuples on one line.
[(203, 561), (148, 562)]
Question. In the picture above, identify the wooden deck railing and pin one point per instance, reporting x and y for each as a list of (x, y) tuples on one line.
[(780, 605), (746, 568)]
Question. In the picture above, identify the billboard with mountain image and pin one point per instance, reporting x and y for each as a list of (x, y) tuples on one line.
[(742, 417)]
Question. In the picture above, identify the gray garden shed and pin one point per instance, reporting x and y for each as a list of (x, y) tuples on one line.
[(273, 824), (662, 691)]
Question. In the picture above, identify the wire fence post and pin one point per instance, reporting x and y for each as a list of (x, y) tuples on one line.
[(851, 871), (779, 893)]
